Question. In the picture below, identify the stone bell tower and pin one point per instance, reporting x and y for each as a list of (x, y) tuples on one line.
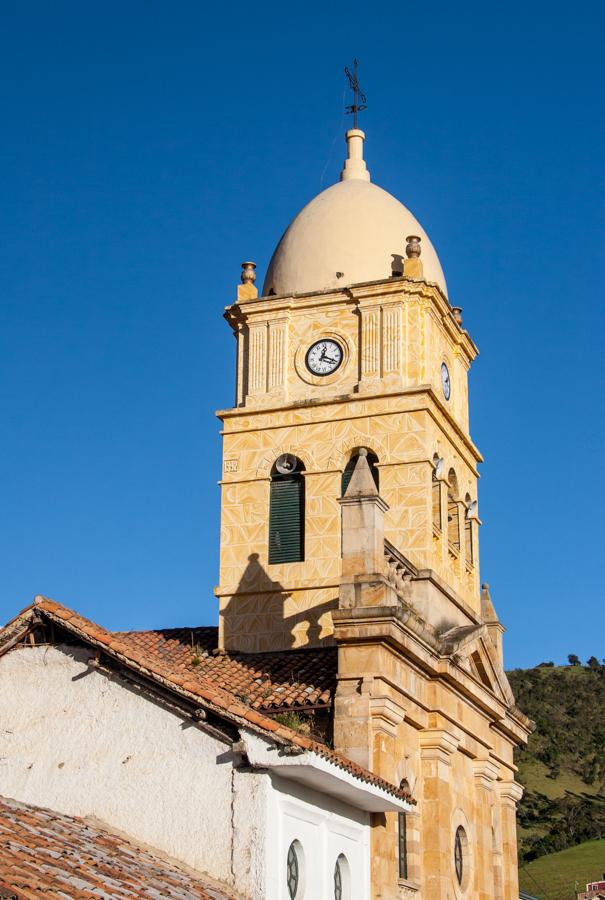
[(354, 278), (349, 518)]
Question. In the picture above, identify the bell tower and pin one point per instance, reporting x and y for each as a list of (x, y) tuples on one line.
[(353, 344), (349, 519)]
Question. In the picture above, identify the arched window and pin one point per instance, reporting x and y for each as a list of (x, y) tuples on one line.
[(453, 512), (287, 511), (461, 857), (348, 471), (402, 839), (436, 492), (295, 871), (468, 532), (342, 878)]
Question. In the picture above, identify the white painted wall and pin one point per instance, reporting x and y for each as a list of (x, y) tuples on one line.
[(325, 828), (84, 743)]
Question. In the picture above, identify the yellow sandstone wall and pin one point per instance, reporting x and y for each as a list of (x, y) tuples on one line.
[(254, 611)]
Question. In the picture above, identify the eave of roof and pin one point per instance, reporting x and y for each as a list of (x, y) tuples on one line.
[(208, 696)]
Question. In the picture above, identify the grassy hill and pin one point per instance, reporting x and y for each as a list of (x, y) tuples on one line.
[(559, 875), (563, 768)]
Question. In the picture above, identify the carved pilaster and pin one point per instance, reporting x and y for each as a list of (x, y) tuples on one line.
[(277, 355), (437, 745), (240, 375), (391, 340), (370, 343), (510, 794), (257, 359), (485, 774)]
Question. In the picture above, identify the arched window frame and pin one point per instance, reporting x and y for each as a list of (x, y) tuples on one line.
[(287, 511), (348, 469), (295, 870), (453, 514), (342, 878), (469, 537), (437, 496)]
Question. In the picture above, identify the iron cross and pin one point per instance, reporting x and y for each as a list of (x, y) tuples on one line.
[(359, 101)]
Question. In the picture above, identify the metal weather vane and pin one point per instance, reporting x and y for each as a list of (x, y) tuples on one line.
[(359, 98)]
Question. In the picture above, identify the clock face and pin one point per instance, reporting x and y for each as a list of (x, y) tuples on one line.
[(324, 357), (445, 381)]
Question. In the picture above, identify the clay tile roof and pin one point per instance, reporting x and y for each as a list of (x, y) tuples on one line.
[(292, 679), (166, 671), (47, 854)]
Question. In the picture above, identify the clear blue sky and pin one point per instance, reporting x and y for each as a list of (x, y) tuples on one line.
[(148, 148)]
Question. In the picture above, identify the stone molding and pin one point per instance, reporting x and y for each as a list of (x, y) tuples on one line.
[(486, 773), (510, 791), (438, 743), (386, 714)]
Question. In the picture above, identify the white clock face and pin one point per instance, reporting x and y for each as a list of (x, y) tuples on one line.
[(445, 381), (324, 357)]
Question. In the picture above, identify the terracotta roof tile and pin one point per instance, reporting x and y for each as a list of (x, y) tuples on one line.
[(159, 665), (287, 679), (47, 854)]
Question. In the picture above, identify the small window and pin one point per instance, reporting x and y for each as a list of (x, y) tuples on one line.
[(403, 846), (295, 870), (342, 878), (436, 493), (461, 857), (453, 512), (468, 532), (348, 471), (287, 511)]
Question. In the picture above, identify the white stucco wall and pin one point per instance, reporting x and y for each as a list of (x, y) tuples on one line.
[(83, 743)]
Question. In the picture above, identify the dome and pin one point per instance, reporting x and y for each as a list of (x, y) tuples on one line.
[(352, 232)]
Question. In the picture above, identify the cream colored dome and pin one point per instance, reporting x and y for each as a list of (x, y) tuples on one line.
[(353, 228)]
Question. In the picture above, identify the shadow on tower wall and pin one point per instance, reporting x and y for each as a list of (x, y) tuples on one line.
[(254, 619)]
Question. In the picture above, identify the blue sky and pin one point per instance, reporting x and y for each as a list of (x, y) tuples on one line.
[(148, 148)]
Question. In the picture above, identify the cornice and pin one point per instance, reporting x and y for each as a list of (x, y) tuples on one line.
[(372, 290), (297, 406)]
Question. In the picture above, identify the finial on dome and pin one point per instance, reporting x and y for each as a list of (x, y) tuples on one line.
[(355, 166)]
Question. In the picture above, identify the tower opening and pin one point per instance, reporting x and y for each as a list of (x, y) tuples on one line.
[(350, 466), (287, 511)]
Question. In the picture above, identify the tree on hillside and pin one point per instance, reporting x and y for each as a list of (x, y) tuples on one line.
[(593, 663), (573, 660)]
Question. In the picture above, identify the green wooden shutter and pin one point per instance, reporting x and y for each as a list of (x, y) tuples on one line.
[(346, 475), (286, 519)]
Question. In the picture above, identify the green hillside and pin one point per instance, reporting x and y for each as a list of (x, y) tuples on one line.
[(563, 768), (559, 875)]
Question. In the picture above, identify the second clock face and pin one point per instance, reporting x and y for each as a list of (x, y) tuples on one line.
[(324, 357)]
